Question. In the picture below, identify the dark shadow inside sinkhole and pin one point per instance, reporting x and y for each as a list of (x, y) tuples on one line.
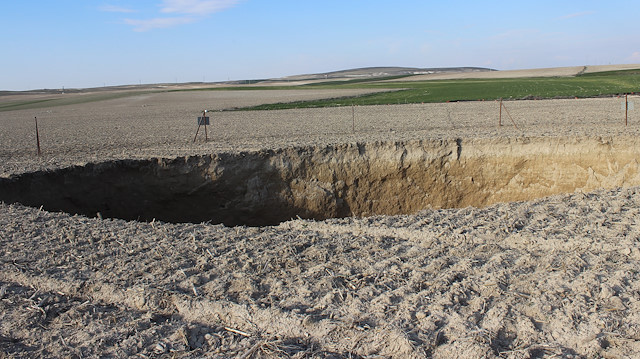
[(177, 191)]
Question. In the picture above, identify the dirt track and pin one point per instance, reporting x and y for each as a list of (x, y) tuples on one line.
[(557, 276)]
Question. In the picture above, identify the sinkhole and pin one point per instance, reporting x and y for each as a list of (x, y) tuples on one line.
[(382, 178)]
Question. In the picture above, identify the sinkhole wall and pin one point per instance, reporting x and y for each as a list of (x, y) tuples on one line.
[(268, 187)]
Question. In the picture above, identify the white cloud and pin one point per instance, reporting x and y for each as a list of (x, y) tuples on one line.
[(191, 11), (113, 8), (158, 23), (196, 7)]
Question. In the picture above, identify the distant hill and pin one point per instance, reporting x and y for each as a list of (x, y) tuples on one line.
[(412, 73), (373, 72)]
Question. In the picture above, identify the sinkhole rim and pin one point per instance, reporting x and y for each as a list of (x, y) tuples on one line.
[(268, 187)]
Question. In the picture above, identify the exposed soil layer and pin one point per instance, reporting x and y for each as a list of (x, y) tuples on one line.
[(269, 187)]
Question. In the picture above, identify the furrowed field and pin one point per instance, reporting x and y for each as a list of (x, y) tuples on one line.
[(387, 218)]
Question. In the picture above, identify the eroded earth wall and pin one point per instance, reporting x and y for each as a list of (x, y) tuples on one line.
[(359, 179)]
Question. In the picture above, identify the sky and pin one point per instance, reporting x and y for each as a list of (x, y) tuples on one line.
[(95, 43)]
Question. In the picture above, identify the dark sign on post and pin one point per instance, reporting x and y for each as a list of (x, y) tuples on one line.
[(202, 121)]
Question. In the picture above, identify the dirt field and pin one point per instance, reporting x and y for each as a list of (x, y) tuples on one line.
[(542, 72), (555, 276)]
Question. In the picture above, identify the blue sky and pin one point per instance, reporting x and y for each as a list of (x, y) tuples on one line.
[(92, 43)]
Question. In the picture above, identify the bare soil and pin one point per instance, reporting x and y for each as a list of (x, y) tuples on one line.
[(554, 274), (542, 72)]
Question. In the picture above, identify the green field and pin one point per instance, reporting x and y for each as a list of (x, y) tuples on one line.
[(587, 85), (401, 92)]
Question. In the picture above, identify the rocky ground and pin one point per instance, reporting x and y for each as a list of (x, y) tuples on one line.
[(557, 276)]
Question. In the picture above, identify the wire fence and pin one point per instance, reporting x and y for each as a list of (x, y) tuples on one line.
[(90, 133)]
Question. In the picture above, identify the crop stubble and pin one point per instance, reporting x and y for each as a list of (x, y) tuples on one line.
[(554, 276)]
